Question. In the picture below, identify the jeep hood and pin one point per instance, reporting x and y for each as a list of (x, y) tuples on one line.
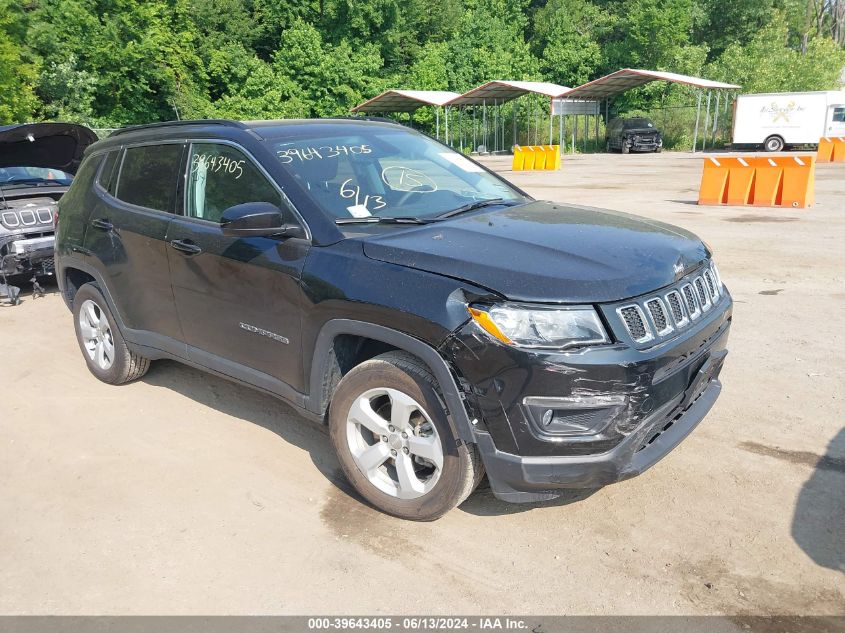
[(547, 252), (50, 145)]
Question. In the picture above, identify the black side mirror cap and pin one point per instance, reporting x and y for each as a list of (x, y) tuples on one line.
[(257, 219)]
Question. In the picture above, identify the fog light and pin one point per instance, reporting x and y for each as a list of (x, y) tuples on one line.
[(585, 416)]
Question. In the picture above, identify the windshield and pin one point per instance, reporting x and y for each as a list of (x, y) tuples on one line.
[(358, 171), (33, 175), (633, 124)]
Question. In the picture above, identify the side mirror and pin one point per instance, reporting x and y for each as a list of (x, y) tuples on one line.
[(257, 219)]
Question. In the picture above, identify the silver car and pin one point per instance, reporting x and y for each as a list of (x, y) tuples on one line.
[(37, 163)]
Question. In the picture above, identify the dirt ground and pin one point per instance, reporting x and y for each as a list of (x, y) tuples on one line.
[(185, 494)]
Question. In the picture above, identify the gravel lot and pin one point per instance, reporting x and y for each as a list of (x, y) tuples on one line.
[(185, 494)]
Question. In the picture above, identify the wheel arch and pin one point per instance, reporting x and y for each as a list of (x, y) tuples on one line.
[(327, 368)]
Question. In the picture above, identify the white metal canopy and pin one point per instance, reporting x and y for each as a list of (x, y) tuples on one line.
[(502, 91), (618, 82), (406, 100)]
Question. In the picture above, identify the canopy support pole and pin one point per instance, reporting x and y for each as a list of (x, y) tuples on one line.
[(484, 119), (514, 113), (437, 127), (586, 132), (528, 123), (560, 140), (446, 112), (495, 126), (706, 123), (474, 131), (596, 119), (716, 116), (697, 117)]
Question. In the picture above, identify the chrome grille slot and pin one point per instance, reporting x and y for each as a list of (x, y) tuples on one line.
[(711, 286), (658, 316), (676, 308), (692, 304), (635, 322), (703, 297)]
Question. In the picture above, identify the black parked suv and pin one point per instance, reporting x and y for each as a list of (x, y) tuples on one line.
[(37, 163), (439, 320), (633, 135)]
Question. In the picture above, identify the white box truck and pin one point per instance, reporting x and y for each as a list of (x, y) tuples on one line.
[(781, 119)]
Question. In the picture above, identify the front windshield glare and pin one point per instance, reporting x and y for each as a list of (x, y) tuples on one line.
[(372, 170)]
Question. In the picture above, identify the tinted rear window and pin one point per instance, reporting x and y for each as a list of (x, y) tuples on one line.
[(148, 176)]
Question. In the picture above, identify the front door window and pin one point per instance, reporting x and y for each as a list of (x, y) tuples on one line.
[(220, 177)]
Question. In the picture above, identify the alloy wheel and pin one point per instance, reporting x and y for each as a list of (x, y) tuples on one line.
[(394, 443), (96, 334)]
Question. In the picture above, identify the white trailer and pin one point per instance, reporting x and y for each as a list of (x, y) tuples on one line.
[(776, 120)]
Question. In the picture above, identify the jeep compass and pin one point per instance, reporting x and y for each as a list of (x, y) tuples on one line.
[(443, 324)]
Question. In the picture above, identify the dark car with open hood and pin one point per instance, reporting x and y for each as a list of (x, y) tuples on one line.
[(442, 323), (37, 163), (636, 134)]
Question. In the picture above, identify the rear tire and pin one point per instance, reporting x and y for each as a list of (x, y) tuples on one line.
[(390, 430), (103, 346), (774, 143)]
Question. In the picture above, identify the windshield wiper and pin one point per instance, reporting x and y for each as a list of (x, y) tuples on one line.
[(478, 204), (375, 219)]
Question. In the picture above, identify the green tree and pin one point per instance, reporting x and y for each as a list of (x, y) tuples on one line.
[(568, 40), (18, 72), (768, 64), (490, 44)]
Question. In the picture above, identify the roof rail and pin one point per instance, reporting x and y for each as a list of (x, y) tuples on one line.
[(147, 126)]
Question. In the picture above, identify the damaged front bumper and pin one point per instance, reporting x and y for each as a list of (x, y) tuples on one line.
[(22, 255), (632, 406)]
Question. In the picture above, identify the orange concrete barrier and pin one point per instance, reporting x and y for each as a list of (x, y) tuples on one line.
[(799, 182), (740, 180), (714, 182), (831, 150), (782, 181), (530, 157), (768, 182)]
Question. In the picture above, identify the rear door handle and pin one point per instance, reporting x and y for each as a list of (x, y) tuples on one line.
[(102, 223), (186, 246)]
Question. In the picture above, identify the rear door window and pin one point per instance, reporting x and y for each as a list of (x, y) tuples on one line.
[(149, 175), (839, 115)]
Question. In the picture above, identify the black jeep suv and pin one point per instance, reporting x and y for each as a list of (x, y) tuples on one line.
[(633, 135), (439, 320)]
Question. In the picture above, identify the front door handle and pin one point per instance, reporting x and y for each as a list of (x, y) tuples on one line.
[(103, 224), (186, 246)]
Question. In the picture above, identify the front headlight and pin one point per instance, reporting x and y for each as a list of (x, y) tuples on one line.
[(540, 326)]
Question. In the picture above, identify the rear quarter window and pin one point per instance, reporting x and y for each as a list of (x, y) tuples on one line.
[(148, 176), (106, 179)]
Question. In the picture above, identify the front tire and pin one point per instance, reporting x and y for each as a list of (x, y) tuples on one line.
[(100, 340), (389, 428)]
